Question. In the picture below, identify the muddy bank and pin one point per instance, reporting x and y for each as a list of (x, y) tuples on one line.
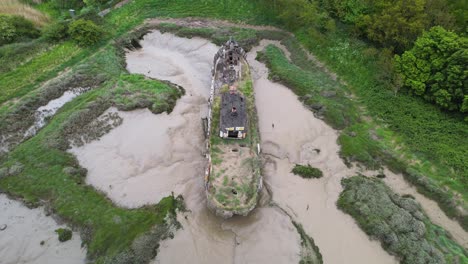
[(26, 229), (267, 235), (430, 207), (294, 137), (149, 156), (135, 167)]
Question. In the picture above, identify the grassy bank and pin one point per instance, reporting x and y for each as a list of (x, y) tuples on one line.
[(423, 132), (310, 253), (398, 222)]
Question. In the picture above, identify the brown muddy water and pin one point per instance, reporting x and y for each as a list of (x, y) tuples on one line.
[(149, 156), (20, 241)]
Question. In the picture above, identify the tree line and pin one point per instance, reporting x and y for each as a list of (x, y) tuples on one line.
[(427, 38)]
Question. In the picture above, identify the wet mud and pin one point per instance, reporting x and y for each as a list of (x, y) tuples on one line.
[(150, 156), (29, 237)]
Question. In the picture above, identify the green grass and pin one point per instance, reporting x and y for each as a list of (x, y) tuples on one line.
[(136, 91), (310, 253), (427, 133), (307, 171), (43, 178), (134, 13), (247, 38), (398, 222), (27, 77), (13, 55)]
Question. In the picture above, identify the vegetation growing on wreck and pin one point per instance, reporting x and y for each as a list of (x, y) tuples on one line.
[(398, 222), (246, 192), (307, 171)]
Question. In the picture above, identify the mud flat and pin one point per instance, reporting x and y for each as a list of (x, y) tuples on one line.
[(149, 156), (26, 228), (267, 235), (294, 137)]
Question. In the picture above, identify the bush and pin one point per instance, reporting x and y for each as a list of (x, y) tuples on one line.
[(56, 31), (7, 30), (307, 171), (14, 28), (64, 234), (84, 32)]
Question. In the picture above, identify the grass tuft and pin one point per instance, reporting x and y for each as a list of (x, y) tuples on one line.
[(307, 172)]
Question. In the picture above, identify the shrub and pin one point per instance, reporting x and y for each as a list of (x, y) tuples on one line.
[(64, 234), (13, 28), (85, 32), (7, 30), (56, 31), (307, 171), (24, 28)]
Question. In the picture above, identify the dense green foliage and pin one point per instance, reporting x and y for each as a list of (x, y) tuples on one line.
[(56, 31), (407, 122), (307, 171), (397, 23), (436, 68), (303, 13), (85, 32), (398, 222), (15, 28)]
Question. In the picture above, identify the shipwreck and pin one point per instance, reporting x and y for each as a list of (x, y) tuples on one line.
[(233, 175)]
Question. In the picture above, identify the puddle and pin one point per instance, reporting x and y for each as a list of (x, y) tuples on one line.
[(48, 110), (20, 242)]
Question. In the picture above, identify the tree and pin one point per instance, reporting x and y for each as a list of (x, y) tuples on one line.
[(394, 24), (303, 13), (436, 68)]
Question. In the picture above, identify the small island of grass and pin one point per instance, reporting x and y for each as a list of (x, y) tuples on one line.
[(307, 171)]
